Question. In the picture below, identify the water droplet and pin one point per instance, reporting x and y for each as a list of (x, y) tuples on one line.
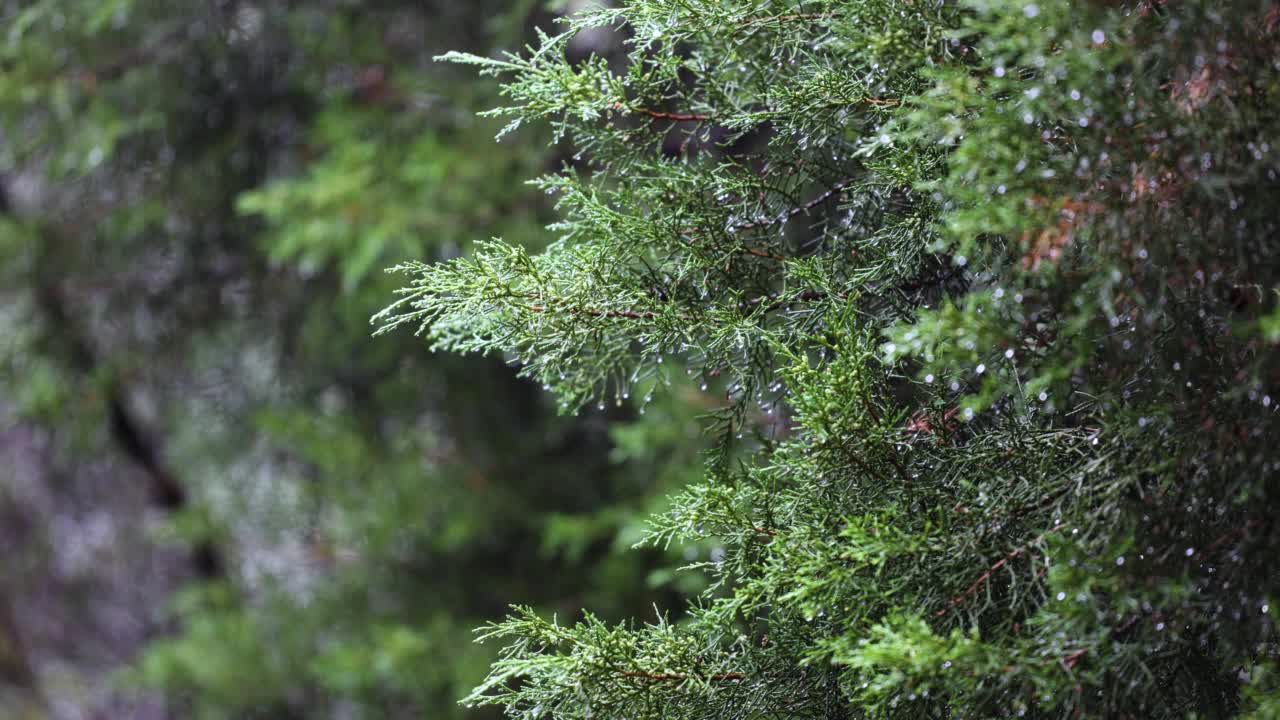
[(1098, 37), (1062, 596)]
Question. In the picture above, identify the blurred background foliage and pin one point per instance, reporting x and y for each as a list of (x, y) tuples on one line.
[(218, 496)]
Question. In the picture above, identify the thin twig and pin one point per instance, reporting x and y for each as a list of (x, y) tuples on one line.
[(1070, 661), (984, 577), (660, 115), (763, 253), (831, 192)]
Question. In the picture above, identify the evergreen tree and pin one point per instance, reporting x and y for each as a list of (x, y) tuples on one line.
[(989, 292)]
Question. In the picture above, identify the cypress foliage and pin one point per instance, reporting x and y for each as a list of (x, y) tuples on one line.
[(989, 291)]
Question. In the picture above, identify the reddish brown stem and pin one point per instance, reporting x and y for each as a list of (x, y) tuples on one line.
[(661, 115), (763, 254), (831, 192), (1071, 660), (984, 577), (750, 251)]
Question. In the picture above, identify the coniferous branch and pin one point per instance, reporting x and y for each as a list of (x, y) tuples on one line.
[(986, 574), (791, 213), (1002, 325), (660, 115)]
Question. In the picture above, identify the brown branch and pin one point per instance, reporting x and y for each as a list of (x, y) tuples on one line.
[(1234, 534), (877, 101), (984, 577), (765, 531), (1070, 661), (686, 233), (831, 192), (660, 115), (806, 207), (763, 253)]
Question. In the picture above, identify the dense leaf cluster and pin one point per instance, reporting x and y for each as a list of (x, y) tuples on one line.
[(990, 291)]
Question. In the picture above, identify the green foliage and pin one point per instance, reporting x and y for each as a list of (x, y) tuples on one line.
[(192, 196), (988, 289), (384, 188)]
